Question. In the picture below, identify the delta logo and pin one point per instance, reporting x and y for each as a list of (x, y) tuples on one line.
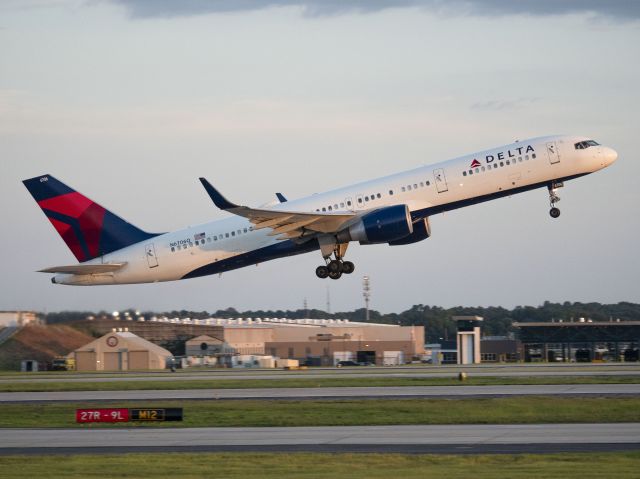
[(504, 155)]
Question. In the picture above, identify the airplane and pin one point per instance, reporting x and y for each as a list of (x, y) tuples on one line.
[(392, 210)]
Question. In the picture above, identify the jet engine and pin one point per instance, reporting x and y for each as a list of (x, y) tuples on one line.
[(421, 231), (383, 225)]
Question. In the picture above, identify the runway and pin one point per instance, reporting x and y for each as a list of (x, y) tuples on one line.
[(415, 439), (458, 392), (528, 370)]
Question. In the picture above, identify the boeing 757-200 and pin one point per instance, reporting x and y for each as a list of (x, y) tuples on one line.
[(393, 210)]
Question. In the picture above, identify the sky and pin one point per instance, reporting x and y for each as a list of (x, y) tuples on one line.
[(130, 102)]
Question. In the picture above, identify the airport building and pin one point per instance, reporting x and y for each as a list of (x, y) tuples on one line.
[(580, 341), (120, 351), (12, 319), (315, 342)]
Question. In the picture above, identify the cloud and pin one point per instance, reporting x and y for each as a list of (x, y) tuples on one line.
[(618, 9)]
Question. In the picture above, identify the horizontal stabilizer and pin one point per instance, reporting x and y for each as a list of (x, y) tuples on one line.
[(84, 268)]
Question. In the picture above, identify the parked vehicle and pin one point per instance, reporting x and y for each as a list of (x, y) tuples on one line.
[(346, 363)]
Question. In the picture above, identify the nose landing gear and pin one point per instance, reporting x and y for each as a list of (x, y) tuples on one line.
[(554, 212)]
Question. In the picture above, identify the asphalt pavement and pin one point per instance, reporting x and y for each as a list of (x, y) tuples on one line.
[(415, 439), (581, 390)]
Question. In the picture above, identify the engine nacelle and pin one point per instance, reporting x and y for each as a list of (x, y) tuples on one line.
[(421, 231), (384, 225)]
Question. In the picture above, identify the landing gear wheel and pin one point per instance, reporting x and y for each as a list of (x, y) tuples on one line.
[(322, 272), (335, 275), (554, 212), (335, 266), (348, 267)]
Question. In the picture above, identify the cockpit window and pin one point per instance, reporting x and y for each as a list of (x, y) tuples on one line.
[(583, 145)]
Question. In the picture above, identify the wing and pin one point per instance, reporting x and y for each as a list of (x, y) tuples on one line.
[(84, 268), (285, 224)]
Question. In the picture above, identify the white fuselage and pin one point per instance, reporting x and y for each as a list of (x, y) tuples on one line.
[(438, 187)]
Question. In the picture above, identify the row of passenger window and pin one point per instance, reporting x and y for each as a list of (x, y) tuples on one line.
[(211, 238), (481, 169), (366, 198)]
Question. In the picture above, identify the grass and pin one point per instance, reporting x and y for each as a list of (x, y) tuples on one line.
[(219, 413), (302, 382), (621, 465)]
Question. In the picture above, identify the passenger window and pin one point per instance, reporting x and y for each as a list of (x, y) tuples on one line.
[(226, 235), (324, 209), (477, 170), (501, 164), (233, 233), (359, 200), (215, 238), (471, 172), (533, 155), (366, 198), (245, 230), (378, 195), (421, 184), (329, 207), (526, 157), (403, 189), (464, 173), (390, 192), (409, 187), (415, 186), (508, 162), (482, 168), (349, 203), (335, 207), (341, 205), (428, 183), (172, 249)]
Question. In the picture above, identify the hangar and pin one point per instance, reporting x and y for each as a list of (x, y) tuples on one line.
[(580, 341), (120, 351), (315, 342)]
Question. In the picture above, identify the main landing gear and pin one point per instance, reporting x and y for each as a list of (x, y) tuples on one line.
[(334, 268), (554, 198)]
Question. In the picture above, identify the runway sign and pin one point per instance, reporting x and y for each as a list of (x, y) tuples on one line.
[(127, 415), (170, 414), (102, 415)]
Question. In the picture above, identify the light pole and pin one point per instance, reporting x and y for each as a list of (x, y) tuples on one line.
[(366, 293)]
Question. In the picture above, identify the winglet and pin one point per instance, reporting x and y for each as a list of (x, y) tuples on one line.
[(281, 198), (217, 198)]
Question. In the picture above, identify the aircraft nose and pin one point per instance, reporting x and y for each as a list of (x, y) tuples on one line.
[(610, 155)]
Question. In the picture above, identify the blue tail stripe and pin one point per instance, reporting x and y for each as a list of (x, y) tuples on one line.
[(46, 186)]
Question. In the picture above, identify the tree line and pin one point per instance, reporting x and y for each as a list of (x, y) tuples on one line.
[(498, 321)]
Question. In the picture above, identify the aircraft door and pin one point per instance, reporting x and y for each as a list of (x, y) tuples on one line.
[(150, 253), (441, 180), (552, 152)]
